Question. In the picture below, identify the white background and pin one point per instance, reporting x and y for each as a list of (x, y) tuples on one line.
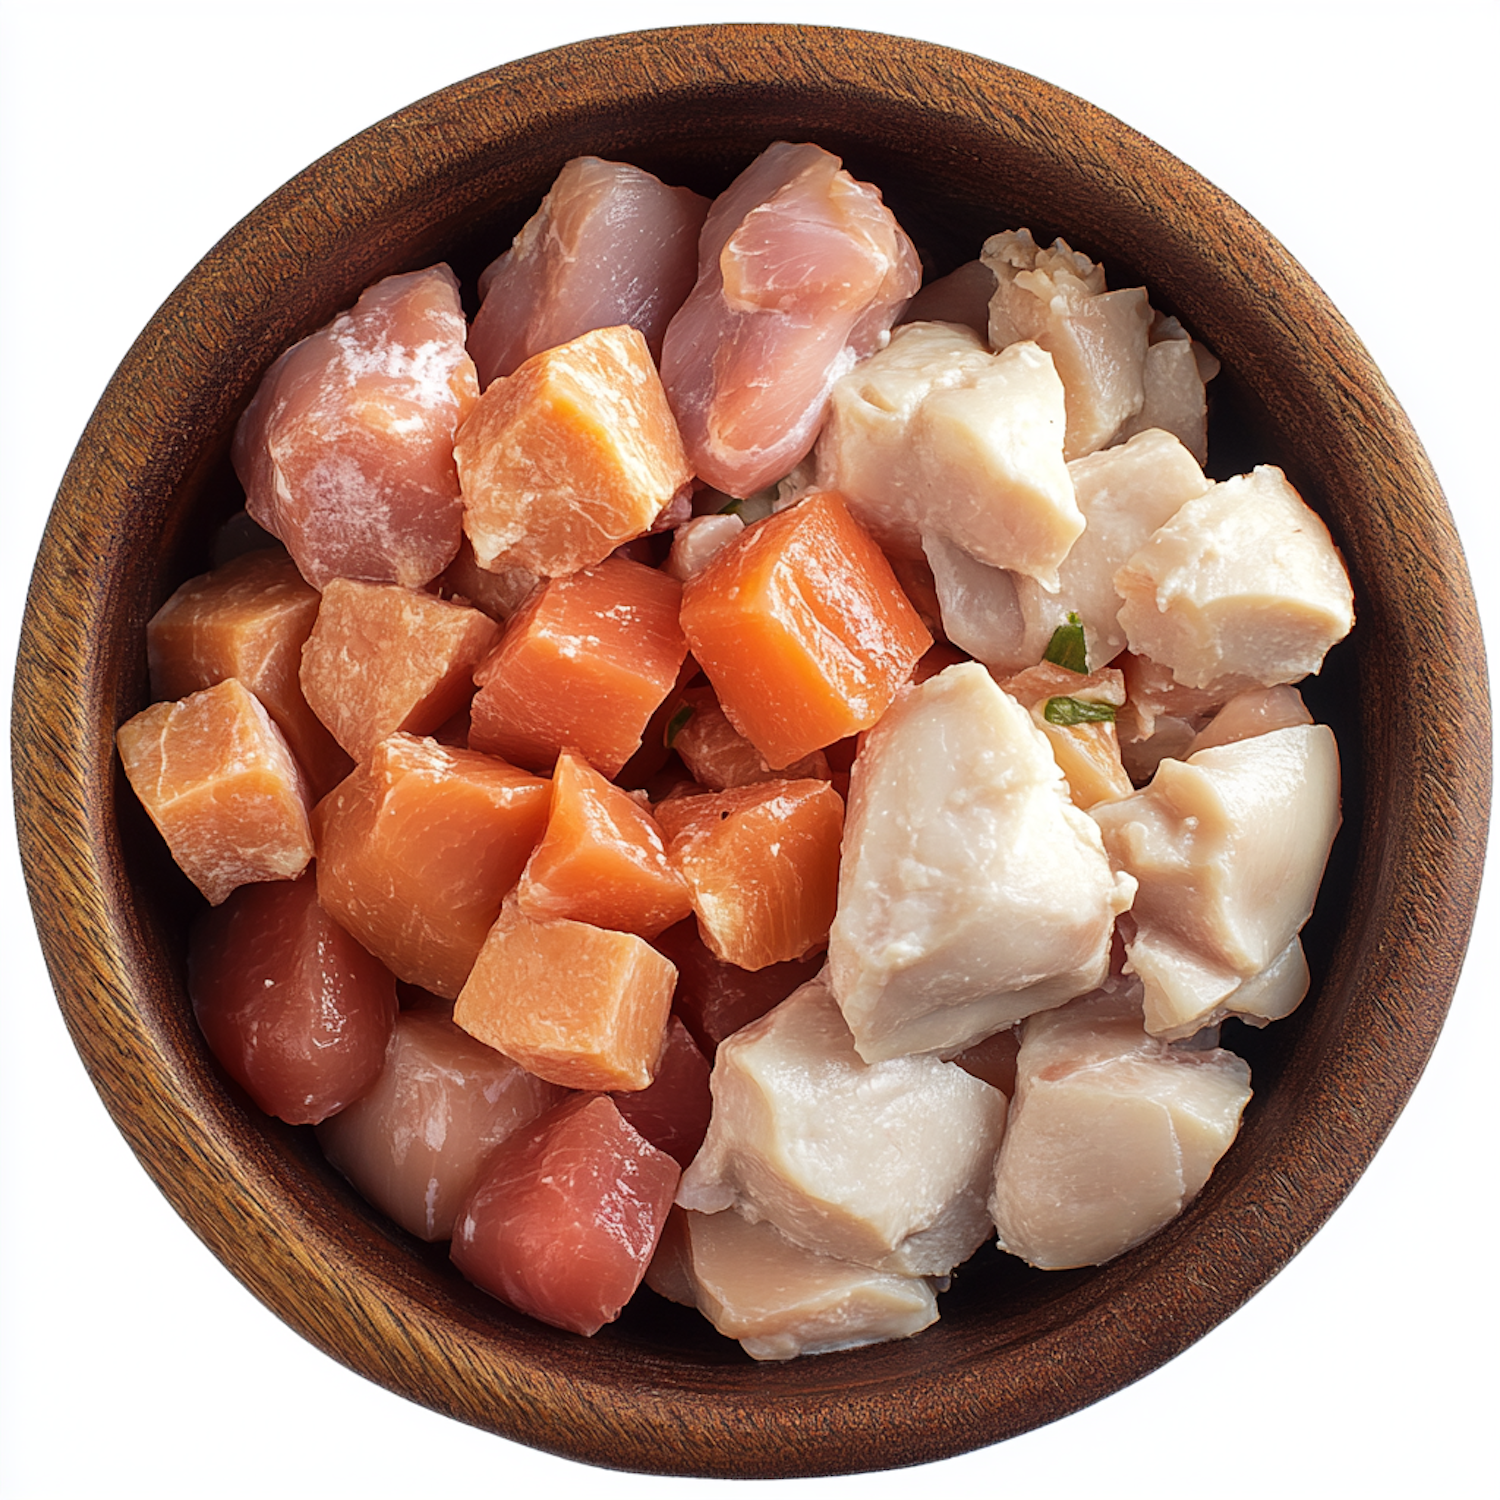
[(132, 136)]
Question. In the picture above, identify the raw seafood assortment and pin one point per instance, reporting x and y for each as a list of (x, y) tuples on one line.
[(769, 783)]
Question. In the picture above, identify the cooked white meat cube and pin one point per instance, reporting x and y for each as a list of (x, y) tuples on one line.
[(1113, 1132), (1228, 848), (1242, 586), (972, 891), (885, 1164), (779, 1300), (934, 433), (1057, 298), (1255, 711), (980, 606), (1173, 376)]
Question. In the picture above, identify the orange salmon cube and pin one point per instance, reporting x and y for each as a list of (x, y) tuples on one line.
[(601, 860), (762, 865), (247, 619), (575, 1004), (218, 779), (417, 850), (802, 629), (382, 658), (584, 663), (570, 456)]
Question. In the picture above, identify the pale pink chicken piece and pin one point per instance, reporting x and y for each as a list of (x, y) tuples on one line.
[(346, 452), (610, 244), (801, 269)]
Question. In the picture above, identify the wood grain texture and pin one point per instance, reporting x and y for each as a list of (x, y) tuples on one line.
[(961, 147)]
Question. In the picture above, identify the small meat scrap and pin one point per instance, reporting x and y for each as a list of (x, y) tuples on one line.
[(499, 592), (801, 270), (583, 665), (418, 848), (1228, 848), (1176, 371), (417, 1140), (885, 1164), (673, 1110), (802, 629), (569, 457), (346, 452), (761, 864), (566, 1217), (295, 1009), (578, 1005), (217, 778), (247, 619), (962, 296), (1098, 339), (781, 1301), (934, 435), (1242, 586), (610, 245), (1077, 714), (718, 756), (1112, 1132), (383, 658), (973, 892)]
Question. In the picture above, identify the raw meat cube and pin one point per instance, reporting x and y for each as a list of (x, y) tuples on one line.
[(565, 1219), (499, 592), (672, 1111), (417, 849), (962, 296), (610, 244), (298, 1013), (247, 619), (761, 864), (217, 778), (801, 270), (417, 1140), (718, 756), (569, 457), (577, 1005), (382, 658), (346, 452)]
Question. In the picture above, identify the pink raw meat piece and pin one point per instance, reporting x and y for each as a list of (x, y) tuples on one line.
[(610, 245), (346, 452), (800, 271)]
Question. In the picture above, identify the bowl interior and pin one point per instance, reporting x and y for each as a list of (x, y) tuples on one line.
[(961, 148)]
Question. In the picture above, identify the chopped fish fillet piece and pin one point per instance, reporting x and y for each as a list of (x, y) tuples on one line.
[(780, 1301), (1098, 338), (1112, 1133), (1242, 586), (346, 452), (610, 244), (801, 270), (972, 891), (934, 434), (886, 1164), (1228, 848)]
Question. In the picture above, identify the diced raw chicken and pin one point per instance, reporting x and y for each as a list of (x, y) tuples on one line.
[(780, 1301), (566, 1216), (672, 1111), (697, 542), (1098, 338), (1174, 374), (886, 1164), (1112, 1133), (1161, 717), (1242, 586), (972, 891), (979, 607), (1255, 711), (298, 1013), (346, 452), (416, 1141), (801, 270), (962, 296), (934, 435), (1228, 848), (610, 244), (216, 776)]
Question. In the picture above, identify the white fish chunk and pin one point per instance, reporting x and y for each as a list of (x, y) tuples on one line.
[(972, 891), (780, 1301), (1242, 586), (935, 435), (885, 1164), (1113, 1132), (1228, 848)]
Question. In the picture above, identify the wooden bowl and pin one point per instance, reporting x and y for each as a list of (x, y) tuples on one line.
[(961, 147)]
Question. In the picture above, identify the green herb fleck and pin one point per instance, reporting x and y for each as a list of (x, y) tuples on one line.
[(732, 508), (1067, 711), (678, 722), (1067, 647)]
